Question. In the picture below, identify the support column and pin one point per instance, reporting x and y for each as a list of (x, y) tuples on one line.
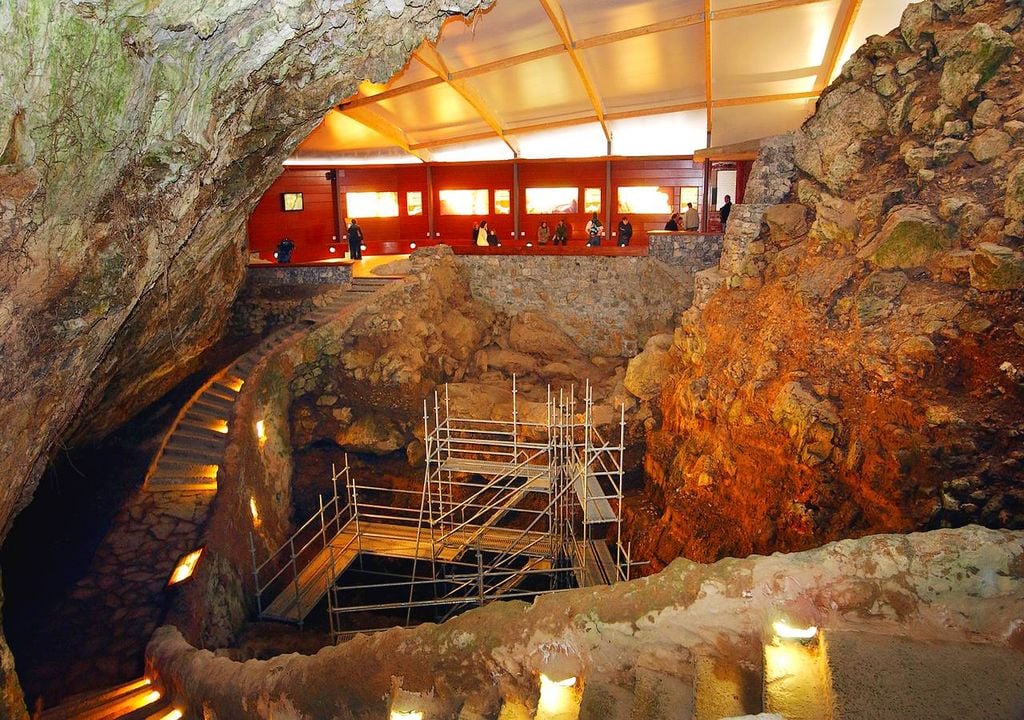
[(332, 175)]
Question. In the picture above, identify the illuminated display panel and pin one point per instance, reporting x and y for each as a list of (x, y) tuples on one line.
[(502, 202), (414, 203), (689, 195), (592, 200), (552, 201), (463, 202), (372, 204), (645, 199)]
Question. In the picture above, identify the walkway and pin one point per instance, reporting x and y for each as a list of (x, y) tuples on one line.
[(106, 621)]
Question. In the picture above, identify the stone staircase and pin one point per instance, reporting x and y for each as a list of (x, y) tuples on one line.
[(112, 611), (193, 449)]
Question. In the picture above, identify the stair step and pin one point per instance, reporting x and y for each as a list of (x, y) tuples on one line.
[(658, 696), (213, 404), (75, 706), (155, 710), (192, 455), (188, 432), (221, 392), (726, 689), (169, 467), (206, 415), (171, 484)]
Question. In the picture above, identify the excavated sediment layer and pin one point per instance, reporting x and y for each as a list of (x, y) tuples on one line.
[(856, 363)]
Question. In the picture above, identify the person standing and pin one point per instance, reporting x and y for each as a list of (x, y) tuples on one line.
[(481, 234), (625, 232), (355, 240), (561, 233), (284, 250), (594, 230), (725, 210), (543, 233), (691, 220)]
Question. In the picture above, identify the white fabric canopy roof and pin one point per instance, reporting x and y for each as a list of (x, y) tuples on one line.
[(588, 78)]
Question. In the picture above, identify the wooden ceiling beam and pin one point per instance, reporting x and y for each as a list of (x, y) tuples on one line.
[(707, 64), (761, 7), (368, 118), (842, 36), (429, 56), (561, 25), (625, 115), (582, 44)]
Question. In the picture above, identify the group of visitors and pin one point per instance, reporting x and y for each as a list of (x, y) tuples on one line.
[(690, 220), (483, 236)]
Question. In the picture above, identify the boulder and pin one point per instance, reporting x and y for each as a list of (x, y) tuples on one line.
[(810, 420), (646, 372), (787, 223), (1013, 207), (989, 145), (536, 334), (771, 177), (828, 146), (997, 267), (878, 294), (973, 61), (910, 236), (915, 24), (836, 224), (988, 114)]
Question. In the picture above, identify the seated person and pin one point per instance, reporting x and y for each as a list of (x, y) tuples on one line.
[(673, 224), (543, 233)]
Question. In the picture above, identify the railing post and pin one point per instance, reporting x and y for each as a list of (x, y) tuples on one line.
[(480, 572), (256, 576), (295, 576)]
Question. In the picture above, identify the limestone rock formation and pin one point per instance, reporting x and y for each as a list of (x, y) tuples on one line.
[(136, 138), (852, 366)]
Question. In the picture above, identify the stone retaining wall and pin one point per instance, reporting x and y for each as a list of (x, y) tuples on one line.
[(286, 274), (607, 305)]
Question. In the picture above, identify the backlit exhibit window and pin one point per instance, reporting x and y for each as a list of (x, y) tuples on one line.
[(414, 203), (592, 200), (502, 202), (645, 199), (371, 204), (464, 202), (689, 195), (552, 201)]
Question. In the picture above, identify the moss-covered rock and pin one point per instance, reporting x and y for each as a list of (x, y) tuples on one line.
[(996, 267), (973, 61), (910, 237)]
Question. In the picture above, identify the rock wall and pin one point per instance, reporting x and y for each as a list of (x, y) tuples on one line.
[(925, 587), (629, 298), (854, 363), (135, 141)]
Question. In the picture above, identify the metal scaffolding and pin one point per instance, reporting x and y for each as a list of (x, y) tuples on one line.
[(509, 508)]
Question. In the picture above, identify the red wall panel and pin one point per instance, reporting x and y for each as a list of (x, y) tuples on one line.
[(312, 229)]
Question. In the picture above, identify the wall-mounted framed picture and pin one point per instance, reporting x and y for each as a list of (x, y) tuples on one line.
[(290, 202)]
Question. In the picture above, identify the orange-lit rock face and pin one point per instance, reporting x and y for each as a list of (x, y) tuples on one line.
[(861, 370)]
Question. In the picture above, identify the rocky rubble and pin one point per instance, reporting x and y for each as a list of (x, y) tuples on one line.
[(364, 380), (853, 365)]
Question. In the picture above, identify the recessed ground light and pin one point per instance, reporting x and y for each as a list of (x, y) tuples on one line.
[(185, 567), (362, 247), (412, 246), (529, 244), (557, 697), (406, 715), (275, 256), (785, 631), (333, 249)]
